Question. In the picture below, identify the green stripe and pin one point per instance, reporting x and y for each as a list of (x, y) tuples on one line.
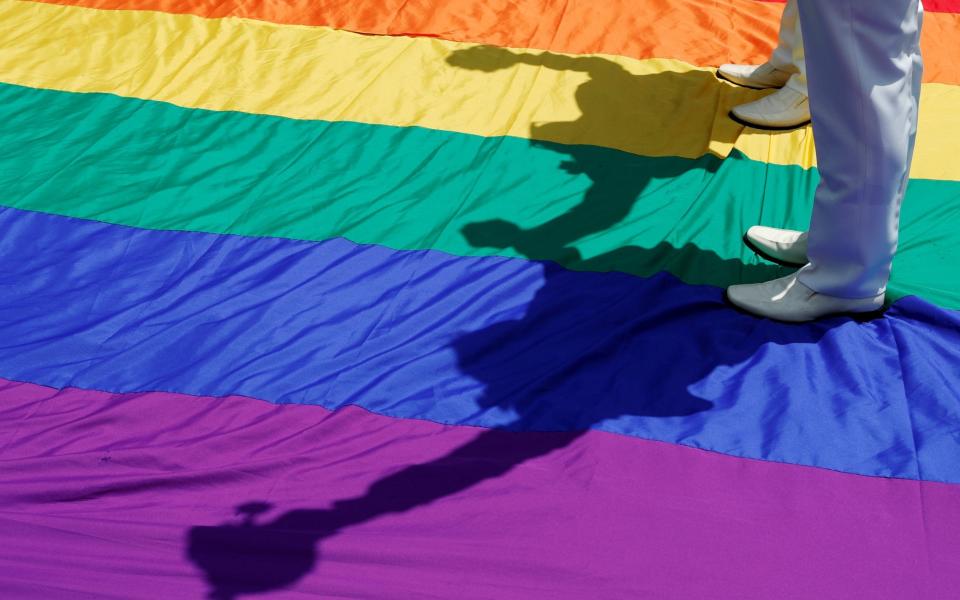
[(153, 165)]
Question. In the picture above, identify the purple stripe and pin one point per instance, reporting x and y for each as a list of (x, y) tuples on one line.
[(127, 492)]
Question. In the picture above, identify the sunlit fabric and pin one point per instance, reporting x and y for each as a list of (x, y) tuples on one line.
[(423, 299)]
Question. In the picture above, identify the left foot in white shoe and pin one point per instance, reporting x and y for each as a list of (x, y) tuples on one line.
[(786, 299), (784, 109)]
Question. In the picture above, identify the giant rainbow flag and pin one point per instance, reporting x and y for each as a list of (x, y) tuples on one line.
[(423, 299)]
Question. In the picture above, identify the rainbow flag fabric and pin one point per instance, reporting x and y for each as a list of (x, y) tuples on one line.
[(423, 299)]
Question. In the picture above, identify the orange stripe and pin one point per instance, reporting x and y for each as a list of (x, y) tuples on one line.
[(697, 32)]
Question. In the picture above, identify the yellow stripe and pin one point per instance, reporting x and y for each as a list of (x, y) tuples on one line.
[(653, 107)]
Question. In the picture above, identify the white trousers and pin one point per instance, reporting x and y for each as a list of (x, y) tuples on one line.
[(864, 83), (789, 55)]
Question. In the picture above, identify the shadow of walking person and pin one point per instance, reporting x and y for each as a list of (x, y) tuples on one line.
[(566, 366), (580, 356)]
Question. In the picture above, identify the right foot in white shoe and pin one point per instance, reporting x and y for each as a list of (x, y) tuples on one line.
[(754, 76), (783, 246), (787, 299)]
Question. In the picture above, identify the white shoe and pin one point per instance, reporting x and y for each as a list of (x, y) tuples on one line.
[(784, 109), (754, 76), (783, 246), (786, 299)]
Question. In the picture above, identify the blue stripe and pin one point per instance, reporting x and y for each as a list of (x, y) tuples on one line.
[(493, 342)]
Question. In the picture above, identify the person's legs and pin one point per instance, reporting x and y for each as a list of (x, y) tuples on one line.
[(864, 79), (865, 69), (784, 245)]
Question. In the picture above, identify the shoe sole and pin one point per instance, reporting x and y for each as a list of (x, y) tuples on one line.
[(760, 252), (859, 317), (767, 127), (721, 77)]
